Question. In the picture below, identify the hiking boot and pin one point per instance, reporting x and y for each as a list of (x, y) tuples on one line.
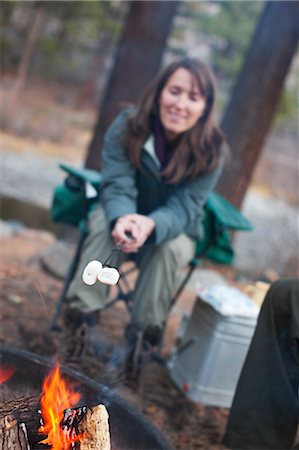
[(152, 335), (131, 333)]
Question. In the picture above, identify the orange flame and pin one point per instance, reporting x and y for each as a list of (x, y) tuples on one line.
[(6, 373), (55, 399)]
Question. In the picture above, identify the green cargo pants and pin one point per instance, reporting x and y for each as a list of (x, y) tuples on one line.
[(156, 280)]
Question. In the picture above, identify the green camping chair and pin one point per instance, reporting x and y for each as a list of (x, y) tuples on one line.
[(77, 196)]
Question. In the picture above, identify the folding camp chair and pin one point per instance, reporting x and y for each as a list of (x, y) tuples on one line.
[(75, 198)]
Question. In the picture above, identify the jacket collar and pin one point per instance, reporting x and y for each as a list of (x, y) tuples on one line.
[(149, 147)]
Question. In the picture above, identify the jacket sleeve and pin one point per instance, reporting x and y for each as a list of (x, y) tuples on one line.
[(118, 191), (184, 207)]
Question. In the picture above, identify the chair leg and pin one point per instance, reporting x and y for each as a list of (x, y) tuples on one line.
[(70, 275), (144, 345), (182, 285), (138, 358)]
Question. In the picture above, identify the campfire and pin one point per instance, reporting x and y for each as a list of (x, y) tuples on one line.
[(6, 373), (65, 426), (46, 407)]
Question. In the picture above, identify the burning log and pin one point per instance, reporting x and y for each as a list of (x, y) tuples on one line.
[(53, 420), (89, 425), (23, 410), (13, 436), (94, 428), (88, 428)]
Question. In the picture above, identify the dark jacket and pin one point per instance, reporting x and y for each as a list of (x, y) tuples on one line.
[(175, 208)]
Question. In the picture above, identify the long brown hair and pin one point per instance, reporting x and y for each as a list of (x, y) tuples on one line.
[(198, 149)]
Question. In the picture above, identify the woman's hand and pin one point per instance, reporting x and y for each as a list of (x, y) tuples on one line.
[(131, 231)]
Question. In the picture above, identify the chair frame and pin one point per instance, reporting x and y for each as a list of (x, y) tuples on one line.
[(122, 294)]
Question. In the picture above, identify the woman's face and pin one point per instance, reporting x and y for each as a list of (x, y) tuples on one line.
[(181, 103)]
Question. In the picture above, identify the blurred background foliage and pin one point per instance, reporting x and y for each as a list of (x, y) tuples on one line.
[(229, 27), (71, 33), (77, 40)]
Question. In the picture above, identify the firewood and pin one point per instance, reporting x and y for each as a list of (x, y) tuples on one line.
[(94, 428), (24, 410), (13, 436), (90, 424), (22, 407)]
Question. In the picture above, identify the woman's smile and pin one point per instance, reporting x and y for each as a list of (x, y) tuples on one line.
[(175, 117)]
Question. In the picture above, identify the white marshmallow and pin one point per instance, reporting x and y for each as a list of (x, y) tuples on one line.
[(108, 275), (91, 271)]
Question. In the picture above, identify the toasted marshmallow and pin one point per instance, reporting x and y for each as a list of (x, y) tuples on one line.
[(108, 275), (91, 271)]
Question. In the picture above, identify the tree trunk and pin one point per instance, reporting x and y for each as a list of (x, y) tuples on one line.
[(34, 33), (137, 60), (256, 94)]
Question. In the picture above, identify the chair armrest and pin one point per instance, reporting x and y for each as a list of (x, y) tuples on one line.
[(86, 175), (227, 214)]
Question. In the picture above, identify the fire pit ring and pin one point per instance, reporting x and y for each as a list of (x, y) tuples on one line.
[(129, 429)]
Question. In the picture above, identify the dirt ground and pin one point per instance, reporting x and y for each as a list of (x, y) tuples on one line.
[(28, 299)]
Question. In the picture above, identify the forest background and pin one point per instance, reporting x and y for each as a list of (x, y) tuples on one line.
[(58, 65)]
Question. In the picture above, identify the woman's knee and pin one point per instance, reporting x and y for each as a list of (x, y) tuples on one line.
[(180, 251)]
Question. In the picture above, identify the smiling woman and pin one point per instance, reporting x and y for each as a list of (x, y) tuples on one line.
[(161, 160), (181, 103)]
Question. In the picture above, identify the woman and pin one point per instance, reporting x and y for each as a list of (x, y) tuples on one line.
[(160, 162)]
